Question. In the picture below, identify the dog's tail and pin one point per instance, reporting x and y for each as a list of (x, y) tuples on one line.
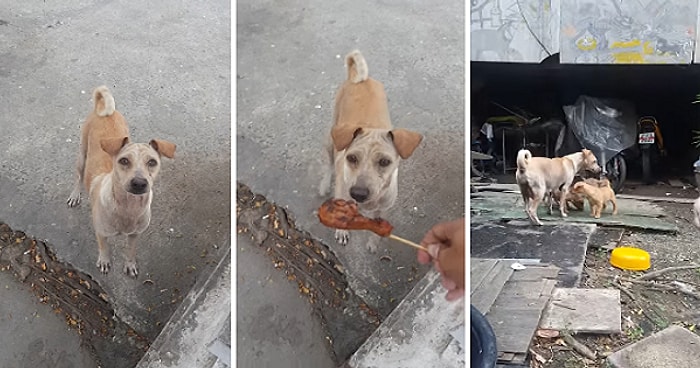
[(104, 102), (524, 157), (357, 67)]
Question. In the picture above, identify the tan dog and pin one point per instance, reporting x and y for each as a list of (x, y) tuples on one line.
[(597, 196), (364, 150), (118, 176), (537, 177), (576, 201)]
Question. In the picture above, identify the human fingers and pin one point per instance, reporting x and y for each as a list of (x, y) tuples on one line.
[(454, 294), (451, 261), (423, 257), (442, 232)]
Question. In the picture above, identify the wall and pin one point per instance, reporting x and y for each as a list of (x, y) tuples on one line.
[(585, 31)]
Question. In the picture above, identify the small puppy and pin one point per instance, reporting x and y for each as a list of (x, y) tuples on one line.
[(575, 201), (538, 177), (364, 150), (597, 196), (118, 176)]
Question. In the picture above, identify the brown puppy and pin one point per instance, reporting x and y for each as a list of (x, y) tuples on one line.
[(118, 176), (364, 150), (575, 201), (537, 177), (597, 196)]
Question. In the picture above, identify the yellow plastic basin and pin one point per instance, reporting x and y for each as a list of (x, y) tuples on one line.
[(628, 258)]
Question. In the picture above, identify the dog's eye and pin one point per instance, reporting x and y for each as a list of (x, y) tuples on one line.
[(384, 162), (124, 161), (352, 159), (152, 163)]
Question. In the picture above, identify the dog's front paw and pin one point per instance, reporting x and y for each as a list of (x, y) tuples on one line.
[(74, 199), (131, 269), (104, 265), (342, 236)]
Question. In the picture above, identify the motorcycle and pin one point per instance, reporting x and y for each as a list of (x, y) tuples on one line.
[(650, 137)]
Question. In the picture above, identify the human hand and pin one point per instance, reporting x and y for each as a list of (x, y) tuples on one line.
[(445, 244)]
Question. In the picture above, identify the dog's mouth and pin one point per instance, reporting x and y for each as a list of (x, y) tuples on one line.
[(138, 186)]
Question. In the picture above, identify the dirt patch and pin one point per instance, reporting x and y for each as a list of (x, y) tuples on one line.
[(73, 295), (648, 306)]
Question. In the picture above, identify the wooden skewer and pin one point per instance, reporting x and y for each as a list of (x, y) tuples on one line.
[(408, 242)]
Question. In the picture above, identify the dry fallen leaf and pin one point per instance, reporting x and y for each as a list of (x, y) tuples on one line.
[(548, 334)]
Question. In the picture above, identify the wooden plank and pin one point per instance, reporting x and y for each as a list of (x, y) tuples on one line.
[(514, 327), (515, 314), (536, 273), (485, 295), (479, 270)]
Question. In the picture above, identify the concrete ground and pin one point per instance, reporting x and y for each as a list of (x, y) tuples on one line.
[(289, 66), (168, 67)]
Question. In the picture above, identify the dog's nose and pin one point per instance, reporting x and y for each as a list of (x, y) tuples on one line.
[(360, 194), (138, 185)]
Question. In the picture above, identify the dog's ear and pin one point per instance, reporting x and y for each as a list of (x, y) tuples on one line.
[(343, 135), (164, 148), (113, 145), (405, 141)]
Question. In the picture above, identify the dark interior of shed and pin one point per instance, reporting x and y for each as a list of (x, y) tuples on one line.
[(663, 91)]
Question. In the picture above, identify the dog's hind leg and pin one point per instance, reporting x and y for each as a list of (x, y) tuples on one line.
[(74, 198), (532, 210), (130, 267), (549, 202)]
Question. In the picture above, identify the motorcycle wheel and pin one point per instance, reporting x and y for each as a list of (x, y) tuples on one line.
[(617, 172), (646, 166), (483, 352)]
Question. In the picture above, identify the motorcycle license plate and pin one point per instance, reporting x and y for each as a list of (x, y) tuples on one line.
[(646, 138)]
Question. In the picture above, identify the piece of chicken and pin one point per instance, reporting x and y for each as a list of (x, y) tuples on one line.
[(342, 214)]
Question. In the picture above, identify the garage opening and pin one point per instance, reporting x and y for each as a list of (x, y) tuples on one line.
[(537, 93)]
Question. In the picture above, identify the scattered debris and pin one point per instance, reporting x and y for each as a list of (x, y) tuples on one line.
[(655, 274), (579, 347), (73, 294)]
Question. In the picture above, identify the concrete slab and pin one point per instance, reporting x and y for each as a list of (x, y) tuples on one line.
[(595, 311), (276, 326), (21, 316), (202, 321), (168, 67), (417, 333), (563, 245), (673, 347)]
